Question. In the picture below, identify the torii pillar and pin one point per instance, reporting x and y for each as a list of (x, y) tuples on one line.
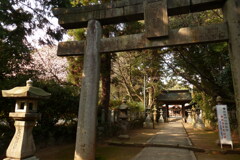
[(231, 10), (86, 128)]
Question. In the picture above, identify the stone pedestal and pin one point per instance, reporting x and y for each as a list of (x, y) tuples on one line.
[(22, 145), (193, 114), (199, 123), (124, 128), (154, 115), (148, 122), (189, 118), (123, 119), (199, 126)]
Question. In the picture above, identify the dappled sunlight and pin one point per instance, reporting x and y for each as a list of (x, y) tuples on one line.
[(149, 134), (184, 31), (83, 75)]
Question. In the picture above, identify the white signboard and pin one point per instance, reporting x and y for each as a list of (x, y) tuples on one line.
[(223, 125)]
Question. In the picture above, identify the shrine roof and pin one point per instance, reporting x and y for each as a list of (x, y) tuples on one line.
[(175, 96), (27, 91)]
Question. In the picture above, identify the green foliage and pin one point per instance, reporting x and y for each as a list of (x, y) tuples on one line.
[(62, 105), (75, 68), (13, 47), (115, 103), (129, 69), (206, 103), (52, 135), (196, 19), (135, 106), (206, 66)]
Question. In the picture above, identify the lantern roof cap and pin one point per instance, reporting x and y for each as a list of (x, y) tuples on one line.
[(123, 106), (27, 91)]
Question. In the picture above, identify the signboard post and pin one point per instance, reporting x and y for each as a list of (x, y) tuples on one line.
[(223, 125)]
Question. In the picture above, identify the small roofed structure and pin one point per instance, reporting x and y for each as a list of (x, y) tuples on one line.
[(27, 91), (175, 96)]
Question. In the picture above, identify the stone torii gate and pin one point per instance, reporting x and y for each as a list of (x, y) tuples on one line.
[(157, 34)]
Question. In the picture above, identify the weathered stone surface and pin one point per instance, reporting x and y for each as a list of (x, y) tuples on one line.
[(26, 116), (86, 128), (231, 12), (22, 144), (182, 36), (126, 10), (27, 91), (148, 121), (156, 19)]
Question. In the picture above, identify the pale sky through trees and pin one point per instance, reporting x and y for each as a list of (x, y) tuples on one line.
[(39, 34)]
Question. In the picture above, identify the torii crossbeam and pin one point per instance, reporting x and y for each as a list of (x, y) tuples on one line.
[(157, 34)]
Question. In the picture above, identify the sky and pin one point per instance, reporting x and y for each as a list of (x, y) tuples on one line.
[(29, 5)]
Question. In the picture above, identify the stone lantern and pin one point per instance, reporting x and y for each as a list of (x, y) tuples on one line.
[(123, 111), (22, 146), (199, 122), (123, 118), (148, 122), (189, 117), (161, 119), (154, 112)]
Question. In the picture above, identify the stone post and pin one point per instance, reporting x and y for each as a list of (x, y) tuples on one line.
[(123, 119), (193, 115), (154, 115), (148, 122), (231, 12), (161, 120), (112, 116), (189, 118), (129, 114), (116, 116), (86, 128), (199, 123)]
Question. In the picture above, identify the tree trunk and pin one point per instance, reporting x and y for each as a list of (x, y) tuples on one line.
[(106, 81)]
